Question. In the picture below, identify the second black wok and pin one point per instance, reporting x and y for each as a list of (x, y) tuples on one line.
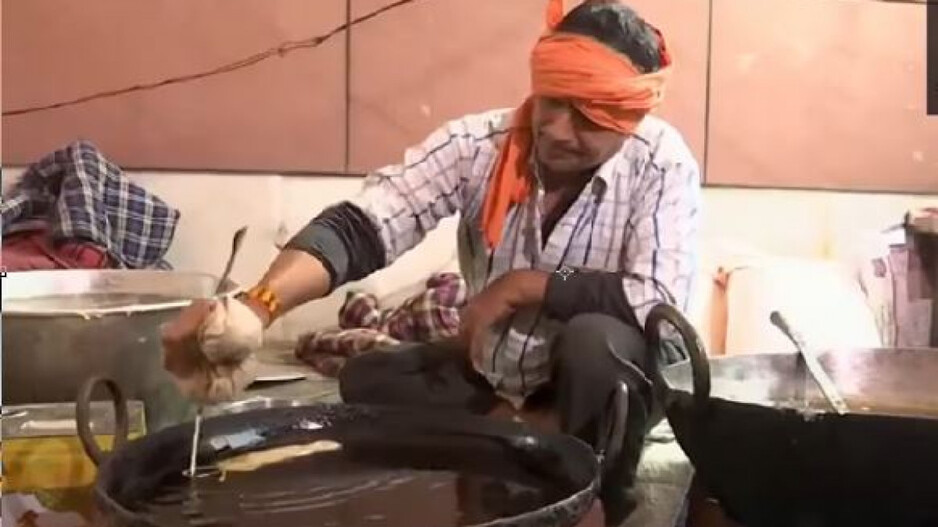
[(766, 444)]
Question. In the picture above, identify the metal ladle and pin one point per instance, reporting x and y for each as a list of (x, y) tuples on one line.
[(814, 366), (197, 430)]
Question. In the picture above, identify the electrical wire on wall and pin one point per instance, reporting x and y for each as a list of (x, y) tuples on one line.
[(280, 50), (277, 51)]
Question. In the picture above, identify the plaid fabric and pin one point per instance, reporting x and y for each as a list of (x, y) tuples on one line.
[(32, 250), (431, 315), (637, 217), (80, 196)]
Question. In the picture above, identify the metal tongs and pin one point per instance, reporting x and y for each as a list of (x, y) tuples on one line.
[(820, 376), (197, 429)]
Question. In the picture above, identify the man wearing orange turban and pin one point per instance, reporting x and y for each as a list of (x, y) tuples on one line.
[(578, 213)]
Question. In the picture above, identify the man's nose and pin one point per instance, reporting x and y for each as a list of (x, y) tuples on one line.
[(558, 126)]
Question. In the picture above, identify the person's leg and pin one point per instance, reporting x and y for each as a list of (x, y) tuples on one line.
[(593, 354), (429, 375)]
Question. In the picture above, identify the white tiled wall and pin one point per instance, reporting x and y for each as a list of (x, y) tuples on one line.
[(213, 206)]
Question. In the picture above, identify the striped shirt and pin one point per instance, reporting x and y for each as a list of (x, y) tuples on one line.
[(638, 216)]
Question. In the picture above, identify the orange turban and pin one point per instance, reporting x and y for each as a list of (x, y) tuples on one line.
[(600, 82)]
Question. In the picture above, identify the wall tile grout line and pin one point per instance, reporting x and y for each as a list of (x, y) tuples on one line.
[(348, 85), (707, 101)]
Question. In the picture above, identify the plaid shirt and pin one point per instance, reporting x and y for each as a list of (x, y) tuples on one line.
[(638, 217), (79, 195), (431, 315)]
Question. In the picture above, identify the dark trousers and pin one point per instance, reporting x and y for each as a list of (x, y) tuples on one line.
[(592, 356)]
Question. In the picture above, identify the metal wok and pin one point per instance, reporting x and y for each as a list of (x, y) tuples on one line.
[(396, 468), (768, 447)]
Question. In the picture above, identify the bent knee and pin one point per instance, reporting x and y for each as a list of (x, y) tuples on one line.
[(598, 336)]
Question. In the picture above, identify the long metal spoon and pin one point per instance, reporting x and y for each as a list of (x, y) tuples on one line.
[(814, 366), (197, 430)]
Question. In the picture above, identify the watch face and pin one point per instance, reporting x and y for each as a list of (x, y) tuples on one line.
[(565, 272)]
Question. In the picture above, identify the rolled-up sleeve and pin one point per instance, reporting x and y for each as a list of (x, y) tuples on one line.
[(661, 237), (408, 200)]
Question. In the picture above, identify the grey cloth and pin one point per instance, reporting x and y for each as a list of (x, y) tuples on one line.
[(337, 233), (592, 355), (570, 293)]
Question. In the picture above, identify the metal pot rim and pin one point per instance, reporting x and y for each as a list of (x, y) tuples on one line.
[(583, 496), (884, 381), (105, 311), (13, 311)]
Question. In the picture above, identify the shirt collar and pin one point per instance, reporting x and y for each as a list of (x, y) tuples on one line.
[(608, 170), (605, 173)]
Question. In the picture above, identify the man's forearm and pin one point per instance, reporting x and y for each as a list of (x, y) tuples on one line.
[(295, 277), (338, 246), (524, 287)]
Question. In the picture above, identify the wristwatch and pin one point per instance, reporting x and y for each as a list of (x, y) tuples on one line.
[(565, 272)]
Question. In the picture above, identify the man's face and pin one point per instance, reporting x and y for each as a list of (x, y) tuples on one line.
[(566, 141)]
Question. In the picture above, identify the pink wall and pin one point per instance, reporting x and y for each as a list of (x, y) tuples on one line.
[(283, 114), (803, 93), (821, 93)]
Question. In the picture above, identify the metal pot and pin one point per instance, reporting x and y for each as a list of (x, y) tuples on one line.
[(62, 327)]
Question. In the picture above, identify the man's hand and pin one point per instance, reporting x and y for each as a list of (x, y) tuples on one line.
[(481, 313), (504, 296), (209, 349)]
